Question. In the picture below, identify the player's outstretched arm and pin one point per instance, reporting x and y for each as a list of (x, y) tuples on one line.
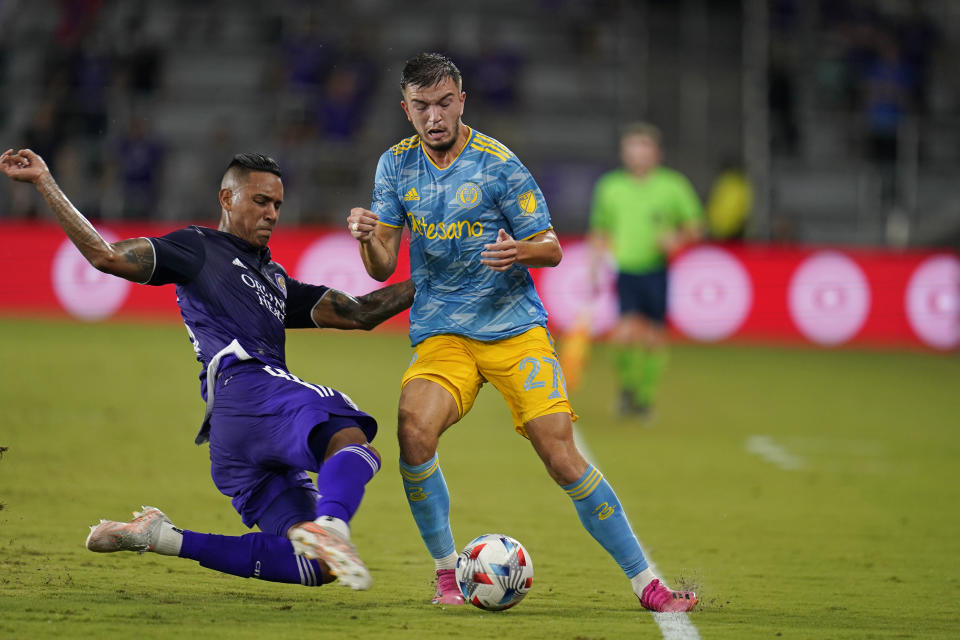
[(379, 244), (131, 259), (339, 310)]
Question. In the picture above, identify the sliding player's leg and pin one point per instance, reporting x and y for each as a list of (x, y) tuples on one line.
[(324, 553), (267, 419), (348, 464), (254, 555)]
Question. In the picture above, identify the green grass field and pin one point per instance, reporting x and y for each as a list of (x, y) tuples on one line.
[(861, 541)]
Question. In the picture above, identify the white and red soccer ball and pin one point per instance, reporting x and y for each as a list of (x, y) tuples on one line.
[(494, 572)]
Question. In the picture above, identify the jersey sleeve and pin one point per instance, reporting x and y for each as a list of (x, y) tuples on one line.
[(301, 299), (386, 200), (178, 257), (522, 202)]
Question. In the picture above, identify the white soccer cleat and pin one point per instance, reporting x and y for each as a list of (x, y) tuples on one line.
[(313, 540), (140, 534)]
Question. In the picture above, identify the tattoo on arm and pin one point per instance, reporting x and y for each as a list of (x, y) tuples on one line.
[(139, 254), (130, 259), (77, 227), (369, 310)]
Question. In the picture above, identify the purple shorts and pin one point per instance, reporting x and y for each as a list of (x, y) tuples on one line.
[(262, 418)]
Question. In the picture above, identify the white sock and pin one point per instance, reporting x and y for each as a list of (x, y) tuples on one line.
[(641, 580), (169, 541), (334, 524), (447, 562)]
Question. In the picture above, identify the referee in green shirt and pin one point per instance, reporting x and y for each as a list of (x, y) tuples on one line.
[(641, 214)]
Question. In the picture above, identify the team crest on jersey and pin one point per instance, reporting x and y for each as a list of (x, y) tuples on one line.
[(281, 283), (527, 201), (469, 195)]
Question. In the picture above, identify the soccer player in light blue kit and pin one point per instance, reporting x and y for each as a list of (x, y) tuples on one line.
[(266, 426), (477, 223)]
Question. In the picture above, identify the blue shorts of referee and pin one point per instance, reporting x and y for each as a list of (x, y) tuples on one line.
[(644, 294)]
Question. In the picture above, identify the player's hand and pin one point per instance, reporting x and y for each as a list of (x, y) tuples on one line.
[(670, 243), (361, 223), (23, 165), (501, 254)]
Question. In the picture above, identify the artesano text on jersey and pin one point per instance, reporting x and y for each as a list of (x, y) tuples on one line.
[(452, 213)]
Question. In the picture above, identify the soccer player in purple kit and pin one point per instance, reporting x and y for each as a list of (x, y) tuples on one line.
[(266, 426)]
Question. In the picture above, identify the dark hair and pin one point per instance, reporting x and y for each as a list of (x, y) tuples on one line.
[(429, 70), (248, 162), (647, 129)]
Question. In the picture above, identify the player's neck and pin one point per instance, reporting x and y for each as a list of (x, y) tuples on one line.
[(444, 159), (640, 174)]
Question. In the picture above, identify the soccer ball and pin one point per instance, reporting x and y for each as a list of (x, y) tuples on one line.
[(494, 572)]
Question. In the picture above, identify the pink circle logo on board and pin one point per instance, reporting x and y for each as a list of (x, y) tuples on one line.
[(933, 301), (334, 261), (710, 294), (83, 291), (565, 291), (829, 298)]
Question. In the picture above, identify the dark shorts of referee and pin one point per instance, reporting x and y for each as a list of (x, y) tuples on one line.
[(644, 294)]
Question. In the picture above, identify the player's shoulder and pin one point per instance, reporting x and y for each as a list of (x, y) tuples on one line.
[(495, 149), (611, 178), (279, 267), (191, 235), (404, 146), (668, 174)]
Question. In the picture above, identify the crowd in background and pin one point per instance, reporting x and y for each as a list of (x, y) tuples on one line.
[(865, 61), (104, 69)]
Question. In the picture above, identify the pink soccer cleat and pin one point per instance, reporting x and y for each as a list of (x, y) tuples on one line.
[(447, 590), (657, 597)]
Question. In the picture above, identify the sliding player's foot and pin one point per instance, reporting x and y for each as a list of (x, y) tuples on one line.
[(313, 540), (140, 534)]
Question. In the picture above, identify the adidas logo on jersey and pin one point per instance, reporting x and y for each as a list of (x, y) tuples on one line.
[(411, 195), (237, 262)]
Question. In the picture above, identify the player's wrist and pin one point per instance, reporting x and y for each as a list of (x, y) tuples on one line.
[(44, 181)]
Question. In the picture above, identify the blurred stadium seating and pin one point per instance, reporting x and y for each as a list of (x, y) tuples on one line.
[(315, 84)]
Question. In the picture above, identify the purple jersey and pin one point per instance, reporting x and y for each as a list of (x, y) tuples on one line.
[(235, 301), (237, 304)]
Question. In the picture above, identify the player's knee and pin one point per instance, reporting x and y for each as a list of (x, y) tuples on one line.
[(347, 437), (417, 441), (564, 464), (353, 437), (563, 472), (411, 425), (376, 454)]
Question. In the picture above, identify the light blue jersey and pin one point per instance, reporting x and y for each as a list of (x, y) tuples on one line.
[(451, 214)]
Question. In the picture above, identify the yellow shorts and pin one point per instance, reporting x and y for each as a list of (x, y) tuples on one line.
[(524, 368)]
